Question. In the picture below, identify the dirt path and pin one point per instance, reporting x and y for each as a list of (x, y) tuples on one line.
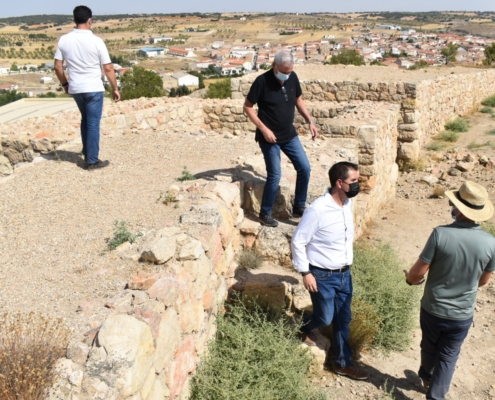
[(406, 224)]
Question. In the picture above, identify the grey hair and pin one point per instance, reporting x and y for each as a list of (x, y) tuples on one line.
[(283, 57)]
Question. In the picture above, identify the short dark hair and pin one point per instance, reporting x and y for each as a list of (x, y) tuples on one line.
[(340, 170), (82, 14)]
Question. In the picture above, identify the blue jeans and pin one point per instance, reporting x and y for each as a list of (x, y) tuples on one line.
[(440, 348), (296, 154), (91, 106), (332, 305)]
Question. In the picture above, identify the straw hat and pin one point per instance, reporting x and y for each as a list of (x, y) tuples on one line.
[(472, 201)]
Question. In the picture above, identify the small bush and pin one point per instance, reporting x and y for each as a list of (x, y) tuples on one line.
[(438, 192), (167, 198), (476, 145), (30, 346), (249, 259), (489, 101), (416, 165), (186, 176), (435, 146), (486, 110), (491, 132), (121, 235), (219, 90), (488, 227), (255, 356), (379, 281), (449, 136), (457, 125)]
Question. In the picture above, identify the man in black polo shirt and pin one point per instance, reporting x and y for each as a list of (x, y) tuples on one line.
[(277, 93)]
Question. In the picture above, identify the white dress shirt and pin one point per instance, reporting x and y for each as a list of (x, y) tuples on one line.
[(324, 235)]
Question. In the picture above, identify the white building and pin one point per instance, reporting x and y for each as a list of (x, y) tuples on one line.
[(183, 78), (152, 51), (157, 39), (46, 79)]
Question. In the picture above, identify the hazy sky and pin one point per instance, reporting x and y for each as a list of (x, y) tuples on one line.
[(30, 7)]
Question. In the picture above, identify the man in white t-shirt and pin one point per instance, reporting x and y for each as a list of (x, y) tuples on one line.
[(84, 55)]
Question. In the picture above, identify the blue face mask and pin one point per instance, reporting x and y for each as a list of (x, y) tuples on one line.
[(282, 77), (454, 217)]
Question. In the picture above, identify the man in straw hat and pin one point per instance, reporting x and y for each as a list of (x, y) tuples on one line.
[(459, 258)]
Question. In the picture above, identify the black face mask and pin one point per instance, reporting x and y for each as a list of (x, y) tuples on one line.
[(353, 190)]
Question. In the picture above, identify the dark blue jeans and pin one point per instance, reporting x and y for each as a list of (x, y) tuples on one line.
[(332, 305), (297, 155), (440, 348), (91, 106)]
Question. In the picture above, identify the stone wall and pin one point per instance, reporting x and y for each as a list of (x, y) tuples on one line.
[(150, 345), (425, 105)]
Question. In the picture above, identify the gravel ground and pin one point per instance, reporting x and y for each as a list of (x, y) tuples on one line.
[(55, 218)]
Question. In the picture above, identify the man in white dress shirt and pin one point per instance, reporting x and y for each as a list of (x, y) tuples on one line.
[(322, 251)]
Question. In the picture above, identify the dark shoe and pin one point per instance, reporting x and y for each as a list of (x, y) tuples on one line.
[(352, 372), (268, 220), (97, 165), (306, 338), (298, 212), (426, 384)]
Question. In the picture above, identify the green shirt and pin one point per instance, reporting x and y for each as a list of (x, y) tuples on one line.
[(458, 255)]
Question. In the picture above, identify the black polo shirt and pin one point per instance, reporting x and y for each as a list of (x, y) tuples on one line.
[(274, 110)]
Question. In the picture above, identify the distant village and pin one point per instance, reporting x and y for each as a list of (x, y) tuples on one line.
[(389, 46)]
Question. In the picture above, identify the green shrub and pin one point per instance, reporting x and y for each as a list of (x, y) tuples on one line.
[(30, 346), (186, 176), (219, 90), (379, 281), (249, 259), (476, 145), (449, 136), (486, 110), (121, 235), (254, 356), (491, 132), (489, 101), (457, 125), (435, 146), (488, 227)]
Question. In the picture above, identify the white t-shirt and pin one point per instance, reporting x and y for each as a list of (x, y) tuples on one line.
[(84, 54)]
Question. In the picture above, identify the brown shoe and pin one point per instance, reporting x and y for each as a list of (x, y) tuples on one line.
[(306, 338), (352, 372)]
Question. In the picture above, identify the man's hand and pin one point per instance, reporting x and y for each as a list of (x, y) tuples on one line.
[(66, 88), (269, 136), (310, 283), (406, 273), (116, 95), (314, 131)]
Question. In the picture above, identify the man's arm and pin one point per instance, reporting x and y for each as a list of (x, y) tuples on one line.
[(267, 133), (303, 234), (416, 275), (59, 71), (110, 73), (485, 277), (301, 107)]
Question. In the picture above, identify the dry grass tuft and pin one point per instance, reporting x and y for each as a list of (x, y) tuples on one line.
[(249, 259), (416, 165), (438, 192), (30, 345)]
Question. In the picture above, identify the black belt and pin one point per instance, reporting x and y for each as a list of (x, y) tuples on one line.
[(343, 269)]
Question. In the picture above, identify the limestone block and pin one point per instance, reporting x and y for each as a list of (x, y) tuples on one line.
[(143, 280), (167, 340), (128, 345), (191, 316), (148, 384), (44, 145), (465, 166), (409, 136), (184, 363), (274, 244), (13, 155), (166, 289), (268, 289), (159, 391), (5, 167), (159, 247), (367, 136), (191, 250), (78, 352), (409, 151), (318, 355), (27, 155), (411, 117), (301, 300)]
